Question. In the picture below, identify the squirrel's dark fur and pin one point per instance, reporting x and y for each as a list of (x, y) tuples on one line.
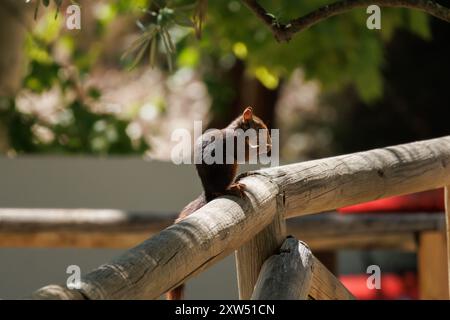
[(218, 179)]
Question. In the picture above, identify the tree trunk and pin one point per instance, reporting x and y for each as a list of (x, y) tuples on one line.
[(14, 16)]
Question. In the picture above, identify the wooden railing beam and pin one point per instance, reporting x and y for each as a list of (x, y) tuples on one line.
[(294, 273), (447, 218), (224, 224), (327, 184), (431, 266), (251, 256), (94, 228), (183, 249)]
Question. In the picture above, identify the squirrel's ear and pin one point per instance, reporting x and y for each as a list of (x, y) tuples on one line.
[(247, 115)]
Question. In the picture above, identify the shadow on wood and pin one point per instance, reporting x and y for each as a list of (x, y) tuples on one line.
[(294, 273)]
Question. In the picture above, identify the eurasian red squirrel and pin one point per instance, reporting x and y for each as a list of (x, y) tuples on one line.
[(218, 178)]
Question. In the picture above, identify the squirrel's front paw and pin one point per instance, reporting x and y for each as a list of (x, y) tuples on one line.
[(237, 189)]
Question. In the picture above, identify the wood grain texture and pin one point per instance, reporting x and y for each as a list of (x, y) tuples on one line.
[(295, 273), (186, 248), (93, 228), (56, 292), (447, 219), (251, 256), (432, 269), (370, 241), (337, 225), (402, 241), (327, 184), (325, 286), (286, 275), (332, 231), (223, 225), (70, 239), (82, 220)]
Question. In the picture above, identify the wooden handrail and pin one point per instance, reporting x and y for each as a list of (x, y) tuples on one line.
[(226, 223), (447, 218), (93, 228), (21, 220)]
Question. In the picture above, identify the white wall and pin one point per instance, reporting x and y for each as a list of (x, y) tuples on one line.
[(76, 182)]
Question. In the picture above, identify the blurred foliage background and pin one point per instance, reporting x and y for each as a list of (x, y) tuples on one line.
[(137, 69)]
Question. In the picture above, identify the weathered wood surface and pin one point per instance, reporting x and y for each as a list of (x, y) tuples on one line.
[(327, 184), (251, 256), (82, 220), (401, 241), (325, 286), (432, 269), (91, 228), (294, 273), (122, 240), (223, 225), (447, 218), (337, 225), (85, 228), (71, 239), (57, 292), (286, 275), (184, 249)]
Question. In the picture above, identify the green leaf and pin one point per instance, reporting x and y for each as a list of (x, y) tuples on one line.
[(152, 55), (419, 24), (170, 44), (139, 56), (145, 37), (188, 57)]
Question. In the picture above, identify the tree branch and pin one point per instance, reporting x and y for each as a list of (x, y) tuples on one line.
[(284, 32)]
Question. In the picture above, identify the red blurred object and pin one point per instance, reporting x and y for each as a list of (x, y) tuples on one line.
[(427, 201), (393, 286)]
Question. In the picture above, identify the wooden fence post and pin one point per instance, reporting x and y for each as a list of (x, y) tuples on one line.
[(182, 250), (432, 269), (286, 275), (447, 219), (295, 273), (251, 256)]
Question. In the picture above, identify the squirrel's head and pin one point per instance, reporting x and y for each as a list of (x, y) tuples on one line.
[(250, 121)]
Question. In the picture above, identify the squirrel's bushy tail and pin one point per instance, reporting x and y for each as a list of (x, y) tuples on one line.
[(200, 201), (176, 294)]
